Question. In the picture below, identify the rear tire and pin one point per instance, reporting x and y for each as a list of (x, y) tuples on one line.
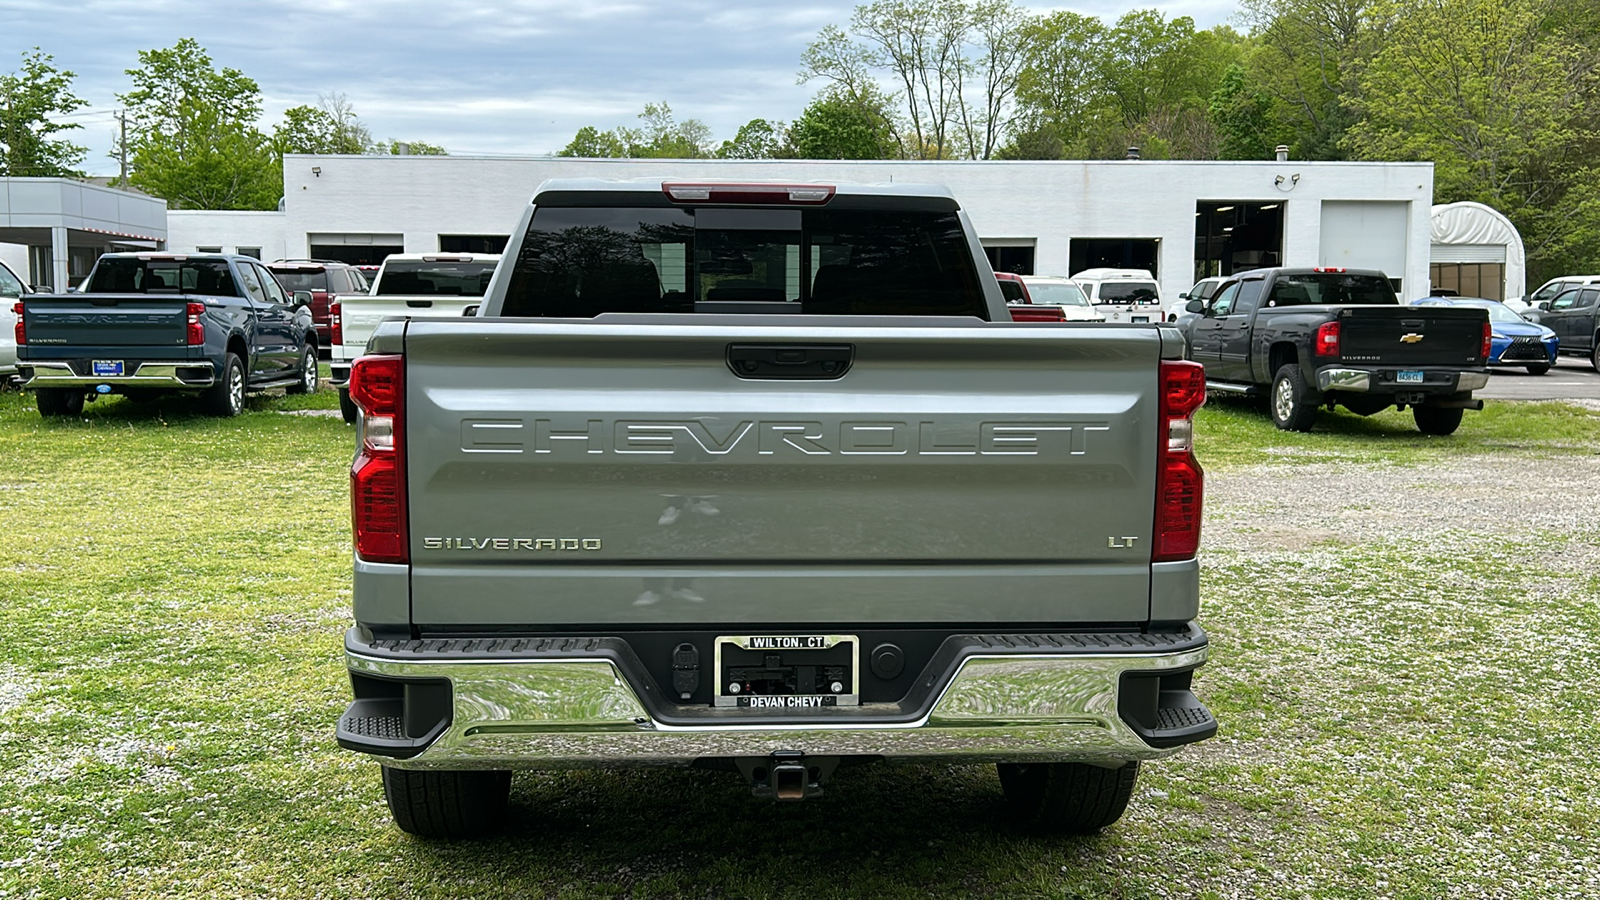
[(59, 401), (347, 407), (446, 804), (1070, 798), (1538, 368), (1594, 353), (225, 398), (308, 373), (1434, 420), (1290, 403)]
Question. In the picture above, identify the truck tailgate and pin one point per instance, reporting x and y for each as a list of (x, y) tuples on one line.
[(109, 320), (1412, 335), (361, 313), (577, 473)]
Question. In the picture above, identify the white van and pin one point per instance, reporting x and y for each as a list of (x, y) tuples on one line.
[(1122, 295)]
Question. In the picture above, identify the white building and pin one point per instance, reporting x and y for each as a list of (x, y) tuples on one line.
[(1180, 219)]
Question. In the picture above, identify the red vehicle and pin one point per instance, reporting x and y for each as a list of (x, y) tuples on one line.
[(1020, 304), (323, 278)]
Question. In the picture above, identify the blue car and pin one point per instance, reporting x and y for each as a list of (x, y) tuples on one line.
[(1514, 340)]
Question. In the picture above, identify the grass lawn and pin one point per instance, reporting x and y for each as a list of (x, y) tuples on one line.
[(1401, 718)]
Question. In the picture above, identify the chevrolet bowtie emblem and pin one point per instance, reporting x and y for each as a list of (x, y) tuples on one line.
[(1410, 338)]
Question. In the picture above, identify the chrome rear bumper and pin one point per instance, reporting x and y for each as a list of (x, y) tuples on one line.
[(1361, 381), (196, 374), (575, 712)]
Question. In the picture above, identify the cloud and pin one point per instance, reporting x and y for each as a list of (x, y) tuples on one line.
[(519, 76)]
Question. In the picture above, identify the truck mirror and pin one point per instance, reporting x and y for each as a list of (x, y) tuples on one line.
[(302, 298), (1195, 306)]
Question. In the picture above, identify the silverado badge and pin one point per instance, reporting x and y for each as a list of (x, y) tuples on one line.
[(1411, 338)]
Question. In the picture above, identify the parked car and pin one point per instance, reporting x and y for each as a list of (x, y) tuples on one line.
[(1574, 316), (1051, 290), (1122, 295), (323, 278), (11, 290), (1305, 338), (408, 286), (146, 324), (1540, 299), (1513, 340), (770, 544), (1203, 290)]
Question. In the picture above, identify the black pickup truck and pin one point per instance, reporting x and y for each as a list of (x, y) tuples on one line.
[(152, 323), (1314, 337)]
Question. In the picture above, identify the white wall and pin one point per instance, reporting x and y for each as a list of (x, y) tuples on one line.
[(188, 230), (422, 197)]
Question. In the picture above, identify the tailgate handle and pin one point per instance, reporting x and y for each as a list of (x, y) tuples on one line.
[(419, 304), (1413, 324), (815, 362)]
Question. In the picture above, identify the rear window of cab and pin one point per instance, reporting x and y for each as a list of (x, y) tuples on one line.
[(582, 261)]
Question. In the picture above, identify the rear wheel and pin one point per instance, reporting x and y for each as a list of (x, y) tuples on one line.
[(446, 804), (1594, 353), (308, 373), (1075, 798), (1290, 402), (225, 398), (1436, 420), (59, 401), (1538, 368), (347, 407)]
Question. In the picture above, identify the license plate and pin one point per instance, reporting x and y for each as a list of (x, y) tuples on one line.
[(1408, 376), (106, 367), (1141, 318), (787, 671)]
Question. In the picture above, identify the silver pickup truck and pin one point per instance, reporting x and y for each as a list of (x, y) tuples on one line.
[(762, 478)]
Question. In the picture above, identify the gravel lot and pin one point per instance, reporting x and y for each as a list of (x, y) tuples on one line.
[(1402, 661)]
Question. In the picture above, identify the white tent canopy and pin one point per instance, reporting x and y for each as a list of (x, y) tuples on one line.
[(1473, 233)]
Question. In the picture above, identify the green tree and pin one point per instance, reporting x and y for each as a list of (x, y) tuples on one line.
[(1058, 85), (838, 126), (192, 135), (1500, 101), (756, 139), (1308, 57), (592, 143), (28, 97), (662, 137), (329, 127), (1243, 117)]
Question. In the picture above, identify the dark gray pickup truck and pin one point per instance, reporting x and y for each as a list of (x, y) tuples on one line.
[(147, 324), (761, 478), (1304, 338)]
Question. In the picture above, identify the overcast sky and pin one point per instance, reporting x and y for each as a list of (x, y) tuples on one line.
[(514, 77)]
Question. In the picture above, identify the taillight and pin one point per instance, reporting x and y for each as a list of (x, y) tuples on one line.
[(1337, 269), (785, 194), (335, 323), (22, 333), (1037, 314), (1483, 351), (197, 331), (378, 473), (1180, 482), (1327, 342)]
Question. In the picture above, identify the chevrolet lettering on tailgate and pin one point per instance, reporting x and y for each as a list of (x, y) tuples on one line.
[(768, 438)]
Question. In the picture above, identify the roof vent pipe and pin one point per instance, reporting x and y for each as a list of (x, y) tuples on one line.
[(1283, 153), (1133, 153), (401, 148)]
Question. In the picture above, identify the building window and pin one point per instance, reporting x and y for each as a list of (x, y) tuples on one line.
[(472, 243), (252, 252), (1016, 258), (208, 249)]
